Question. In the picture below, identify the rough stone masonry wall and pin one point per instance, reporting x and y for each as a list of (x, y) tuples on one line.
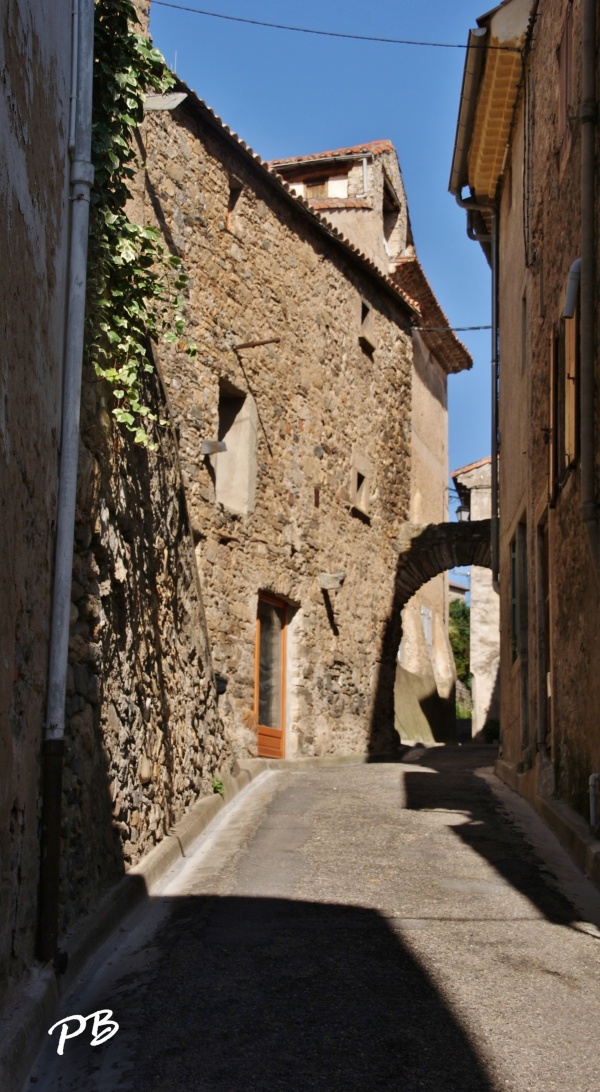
[(540, 215), (266, 273), (35, 66), (366, 227), (143, 735)]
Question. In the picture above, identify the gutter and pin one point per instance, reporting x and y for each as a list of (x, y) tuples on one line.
[(283, 165), (81, 180), (474, 62)]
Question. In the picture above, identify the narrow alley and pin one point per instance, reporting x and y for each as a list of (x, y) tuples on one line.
[(369, 926)]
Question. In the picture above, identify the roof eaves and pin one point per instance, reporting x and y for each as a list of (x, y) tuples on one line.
[(329, 230), (437, 333), (354, 151), (454, 474)]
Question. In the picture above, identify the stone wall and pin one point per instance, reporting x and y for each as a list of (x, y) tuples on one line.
[(35, 65), (143, 734), (327, 415), (549, 683)]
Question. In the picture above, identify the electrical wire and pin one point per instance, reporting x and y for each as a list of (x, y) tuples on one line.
[(329, 33), (447, 329)]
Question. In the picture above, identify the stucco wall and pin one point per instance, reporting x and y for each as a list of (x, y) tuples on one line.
[(321, 403), (425, 649), (35, 65), (484, 606)]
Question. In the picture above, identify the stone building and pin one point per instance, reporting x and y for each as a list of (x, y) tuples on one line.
[(307, 375), (474, 486), (360, 189), (294, 434), (143, 737), (526, 167)]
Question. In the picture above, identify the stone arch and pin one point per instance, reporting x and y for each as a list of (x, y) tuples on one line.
[(423, 553), (427, 551)]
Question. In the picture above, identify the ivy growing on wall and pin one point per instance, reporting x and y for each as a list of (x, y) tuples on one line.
[(134, 284)]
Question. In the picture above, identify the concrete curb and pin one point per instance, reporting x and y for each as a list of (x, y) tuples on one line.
[(34, 1003), (571, 830)]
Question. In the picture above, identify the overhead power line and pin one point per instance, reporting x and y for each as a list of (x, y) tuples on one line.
[(448, 329), (327, 33)]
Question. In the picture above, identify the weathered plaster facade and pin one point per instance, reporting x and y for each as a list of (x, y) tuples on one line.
[(549, 597), (426, 675), (474, 487)]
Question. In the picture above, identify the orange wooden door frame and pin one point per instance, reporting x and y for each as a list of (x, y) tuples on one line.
[(271, 741)]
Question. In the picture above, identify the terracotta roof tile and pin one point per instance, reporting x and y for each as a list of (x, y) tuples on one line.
[(319, 203), (382, 145), (471, 466), (436, 333), (373, 147)]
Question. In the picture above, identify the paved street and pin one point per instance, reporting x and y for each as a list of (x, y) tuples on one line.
[(382, 926)]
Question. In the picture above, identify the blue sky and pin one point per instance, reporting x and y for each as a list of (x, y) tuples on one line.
[(289, 94)]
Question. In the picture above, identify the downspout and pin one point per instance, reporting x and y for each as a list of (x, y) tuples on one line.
[(81, 179), (588, 118), (471, 205)]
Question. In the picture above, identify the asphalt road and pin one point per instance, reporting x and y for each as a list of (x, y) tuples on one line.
[(386, 926)]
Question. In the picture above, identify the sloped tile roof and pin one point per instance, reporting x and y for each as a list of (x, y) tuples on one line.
[(471, 466), (319, 203), (201, 108), (434, 327), (373, 147)]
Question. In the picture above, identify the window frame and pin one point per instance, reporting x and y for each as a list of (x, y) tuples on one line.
[(271, 740)]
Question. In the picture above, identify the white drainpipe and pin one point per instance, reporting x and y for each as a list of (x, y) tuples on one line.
[(81, 179)]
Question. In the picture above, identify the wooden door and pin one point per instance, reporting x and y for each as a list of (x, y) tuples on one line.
[(269, 676)]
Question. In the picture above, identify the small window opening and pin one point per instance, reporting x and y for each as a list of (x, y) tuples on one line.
[(235, 468), (360, 484), (235, 192), (366, 334)]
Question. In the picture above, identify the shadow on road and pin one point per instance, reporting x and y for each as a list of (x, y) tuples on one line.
[(270, 994), (454, 787)]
